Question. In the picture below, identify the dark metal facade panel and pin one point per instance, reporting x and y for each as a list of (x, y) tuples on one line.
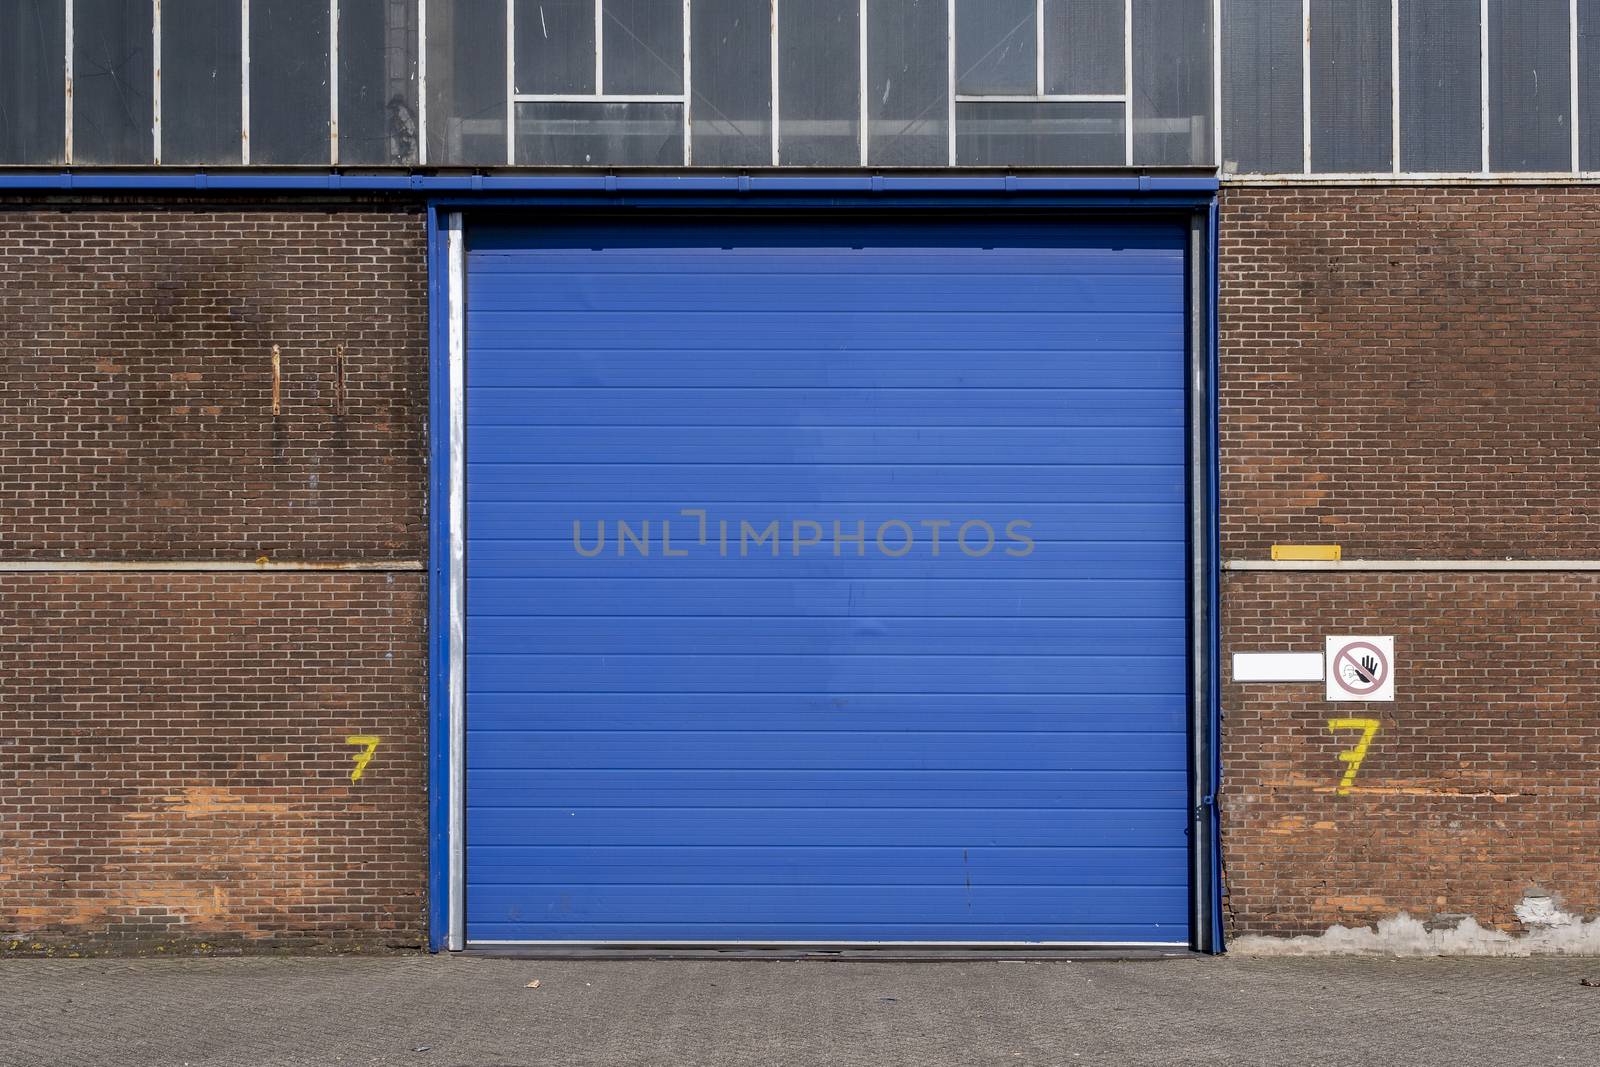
[(466, 82), (1040, 134), (1441, 86), (1530, 85), (289, 69), (1263, 121), (997, 46), (555, 46), (33, 85), (599, 134), (113, 112), (1084, 47), (1589, 84), (731, 107), (819, 83), (378, 87), (1172, 85), (643, 46), (202, 91), (908, 94), (1352, 87)]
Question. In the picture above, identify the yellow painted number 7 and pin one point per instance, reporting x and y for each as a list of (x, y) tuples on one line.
[(369, 745), (1369, 730)]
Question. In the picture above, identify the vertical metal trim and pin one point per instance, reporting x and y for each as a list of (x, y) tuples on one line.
[(1212, 764), (599, 47), (1483, 73), (511, 81), (456, 265), (1127, 82), (244, 82), (422, 83), (1305, 85), (438, 589), (950, 68), (155, 81), (688, 83), (333, 81), (863, 135), (70, 110), (1038, 46), (1201, 504), (1216, 83), (1394, 85), (777, 151), (1572, 30)]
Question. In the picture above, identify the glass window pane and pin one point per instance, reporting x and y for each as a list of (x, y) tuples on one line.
[(1172, 82), (1083, 47), (997, 47), (732, 108), (289, 81), (1530, 80), (112, 82), (33, 89), (466, 82), (1589, 82), (1263, 124), (555, 46), (819, 81), (201, 92), (378, 82), (1352, 104), (908, 80), (1441, 86), (584, 134), (644, 46), (1054, 134)]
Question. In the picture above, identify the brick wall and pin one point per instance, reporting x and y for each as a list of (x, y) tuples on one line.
[(1413, 373), (136, 390), (173, 765)]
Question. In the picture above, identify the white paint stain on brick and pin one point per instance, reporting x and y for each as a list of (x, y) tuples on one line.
[(1552, 932)]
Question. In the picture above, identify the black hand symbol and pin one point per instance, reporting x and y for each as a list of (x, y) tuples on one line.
[(1368, 669)]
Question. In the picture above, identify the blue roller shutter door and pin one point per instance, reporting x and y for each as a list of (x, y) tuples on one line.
[(802, 736)]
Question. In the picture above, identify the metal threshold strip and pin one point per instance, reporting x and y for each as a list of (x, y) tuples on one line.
[(857, 951)]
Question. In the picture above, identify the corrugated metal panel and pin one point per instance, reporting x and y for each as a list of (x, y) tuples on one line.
[(1084, 46), (1171, 83), (834, 743), (1530, 85), (32, 82), (819, 67), (1352, 96), (1441, 85), (1589, 83), (1263, 128), (908, 83), (731, 112)]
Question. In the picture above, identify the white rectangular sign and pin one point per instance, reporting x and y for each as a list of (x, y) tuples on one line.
[(1360, 668), (1277, 666)]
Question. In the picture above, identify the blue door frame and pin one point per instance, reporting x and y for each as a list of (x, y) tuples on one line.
[(1192, 199)]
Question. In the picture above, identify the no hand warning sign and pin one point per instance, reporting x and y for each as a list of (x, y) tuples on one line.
[(1360, 668)]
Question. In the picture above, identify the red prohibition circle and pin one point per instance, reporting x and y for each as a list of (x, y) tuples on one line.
[(1347, 653)]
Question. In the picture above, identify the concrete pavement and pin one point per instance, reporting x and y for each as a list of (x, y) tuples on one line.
[(433, 1012)]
